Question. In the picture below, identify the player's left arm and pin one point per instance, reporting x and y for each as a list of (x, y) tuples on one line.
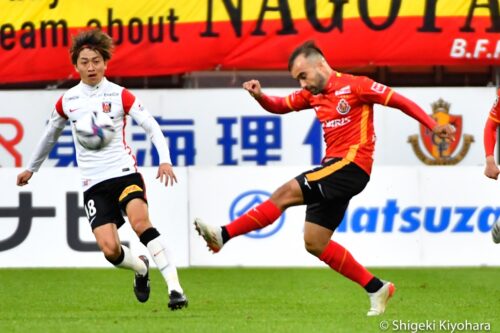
[(409, 107), (143, 117), (489, 140), (374, 92)]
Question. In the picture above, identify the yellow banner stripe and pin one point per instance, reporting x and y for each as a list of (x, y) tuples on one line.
[(191, 11)]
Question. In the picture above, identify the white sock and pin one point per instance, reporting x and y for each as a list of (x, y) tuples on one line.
[(132, 262), (164, 261)]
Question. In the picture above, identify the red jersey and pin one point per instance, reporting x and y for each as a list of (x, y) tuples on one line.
[(345, 110), (490, 129), (495, 110)]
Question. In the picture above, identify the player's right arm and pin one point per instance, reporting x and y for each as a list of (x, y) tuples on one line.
[(52, 132), (489, 139), (275, 104)]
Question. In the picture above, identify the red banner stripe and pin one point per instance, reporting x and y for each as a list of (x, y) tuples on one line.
[(357, 45)]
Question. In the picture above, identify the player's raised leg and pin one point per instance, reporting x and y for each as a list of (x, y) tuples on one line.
[(256, 218)]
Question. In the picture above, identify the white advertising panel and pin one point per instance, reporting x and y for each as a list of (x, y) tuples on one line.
[(43, 224), (214, 127), (407, 216)]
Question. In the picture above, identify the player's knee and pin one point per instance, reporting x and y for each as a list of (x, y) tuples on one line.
[(110, 249), (313, 247), (140, 225), (286, 195)]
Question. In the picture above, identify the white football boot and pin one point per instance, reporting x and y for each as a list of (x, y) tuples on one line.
[(212, 235), (495, 232), (379, 299)]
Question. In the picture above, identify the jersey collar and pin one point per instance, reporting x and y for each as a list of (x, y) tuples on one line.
[(90, 90)]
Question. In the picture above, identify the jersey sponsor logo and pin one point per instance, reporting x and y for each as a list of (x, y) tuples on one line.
[(440, 151), (106, 107), (128, 190), (336, 122), (248, 201), (73, 110), (343, 91), (378, 87), (72, 98), (343, 107), (111, 94)]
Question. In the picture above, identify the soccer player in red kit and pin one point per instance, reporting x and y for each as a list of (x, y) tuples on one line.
[(490, 139), (344, 105)]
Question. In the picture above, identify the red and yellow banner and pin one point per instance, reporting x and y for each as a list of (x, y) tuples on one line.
[(168, 37)]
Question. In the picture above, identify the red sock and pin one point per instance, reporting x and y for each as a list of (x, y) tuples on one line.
[(256, 218), (342, 261)]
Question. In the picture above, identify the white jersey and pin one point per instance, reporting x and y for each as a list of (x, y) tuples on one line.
[(116, 159)]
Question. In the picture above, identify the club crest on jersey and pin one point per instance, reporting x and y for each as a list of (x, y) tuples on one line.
[(343, 107), (378, 87), (439, 151), (106, 107)]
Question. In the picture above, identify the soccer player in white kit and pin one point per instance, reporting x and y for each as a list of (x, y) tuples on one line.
[(110, 179)]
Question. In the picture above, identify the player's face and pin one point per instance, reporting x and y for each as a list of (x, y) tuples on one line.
[(91, 66), (307, 72)]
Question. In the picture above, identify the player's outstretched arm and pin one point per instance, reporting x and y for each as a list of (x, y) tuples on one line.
[(52, 131), (142, 116), (24, 177), (272, 104), (413, 110)]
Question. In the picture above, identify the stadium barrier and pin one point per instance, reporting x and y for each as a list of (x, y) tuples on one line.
[(407, 216)]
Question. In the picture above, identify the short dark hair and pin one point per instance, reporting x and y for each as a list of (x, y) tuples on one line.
[(93, 39), (308, 48)]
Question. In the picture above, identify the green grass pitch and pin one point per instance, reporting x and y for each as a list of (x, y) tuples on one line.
[(241, 300)]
